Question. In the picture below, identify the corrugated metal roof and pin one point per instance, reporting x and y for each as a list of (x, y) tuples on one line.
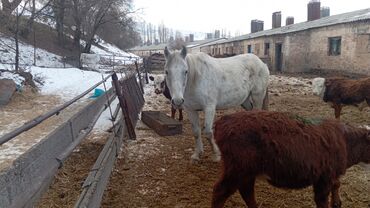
[(149, 47), (162, 45), (354, 16)]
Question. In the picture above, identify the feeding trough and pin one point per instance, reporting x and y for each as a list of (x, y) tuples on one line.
[(161, 123)]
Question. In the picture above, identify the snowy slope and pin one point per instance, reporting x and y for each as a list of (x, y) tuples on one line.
[(7, 55)]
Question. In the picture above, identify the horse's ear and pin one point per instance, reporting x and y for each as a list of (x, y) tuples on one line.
[(166, 52), (183, 51)]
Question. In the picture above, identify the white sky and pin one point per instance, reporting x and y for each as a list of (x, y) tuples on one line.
[(233, 15)]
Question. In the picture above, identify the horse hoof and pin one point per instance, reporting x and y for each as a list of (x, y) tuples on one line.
[(195, 158), (194, 161), (216, 158)]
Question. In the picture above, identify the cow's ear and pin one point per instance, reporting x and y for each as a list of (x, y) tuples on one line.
[(166, 52), (183, 51), (151, 78)]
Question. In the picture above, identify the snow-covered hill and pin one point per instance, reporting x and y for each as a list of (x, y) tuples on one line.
[(59, 78), (43, 58)]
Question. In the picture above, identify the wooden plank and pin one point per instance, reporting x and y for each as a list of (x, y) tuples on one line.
[(98, 178)]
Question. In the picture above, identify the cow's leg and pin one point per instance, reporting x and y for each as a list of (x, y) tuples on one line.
[(322, 191), (173, 112), (194, 120), (335, 199), (337, 109), (223, 189), (209, 114), (181, 117), (246, 190)]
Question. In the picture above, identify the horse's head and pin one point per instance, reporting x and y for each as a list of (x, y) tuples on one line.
[(159, 83), (176, 69)]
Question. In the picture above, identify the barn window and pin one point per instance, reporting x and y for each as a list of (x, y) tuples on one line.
[(267, 49), (334, 46), (249, 49)]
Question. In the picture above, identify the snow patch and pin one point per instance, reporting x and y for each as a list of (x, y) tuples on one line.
[(67, 82), (15, 77)]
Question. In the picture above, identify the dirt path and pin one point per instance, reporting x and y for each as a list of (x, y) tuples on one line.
[(155, 171)]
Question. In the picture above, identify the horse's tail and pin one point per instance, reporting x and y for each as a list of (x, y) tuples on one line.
[(265, 105)]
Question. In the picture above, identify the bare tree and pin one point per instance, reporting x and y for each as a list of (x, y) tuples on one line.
[(35, 13), (90, 15), (16, 29), (9, 7), (59, 9)]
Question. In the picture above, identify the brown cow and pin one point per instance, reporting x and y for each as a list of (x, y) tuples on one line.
[(342, 91), (289, 151)]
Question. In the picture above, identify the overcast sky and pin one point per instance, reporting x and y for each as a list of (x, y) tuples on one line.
[(233, 15)]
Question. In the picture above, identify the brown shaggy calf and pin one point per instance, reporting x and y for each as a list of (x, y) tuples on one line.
[(287, 150), (344, 91)]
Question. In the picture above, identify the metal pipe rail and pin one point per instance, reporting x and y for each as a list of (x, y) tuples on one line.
[(30, 174), (39, 119), (23, 183)]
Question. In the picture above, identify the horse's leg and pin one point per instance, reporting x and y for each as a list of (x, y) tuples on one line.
[(247, 104), (194, 120), (258, 99), (209, 114), (265, 105)]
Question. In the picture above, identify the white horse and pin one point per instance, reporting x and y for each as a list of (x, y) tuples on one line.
[(199, 82)]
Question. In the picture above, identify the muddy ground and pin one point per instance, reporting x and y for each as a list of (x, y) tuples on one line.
[(155, 171)]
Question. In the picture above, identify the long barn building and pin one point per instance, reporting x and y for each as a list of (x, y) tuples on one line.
[(339, 42)]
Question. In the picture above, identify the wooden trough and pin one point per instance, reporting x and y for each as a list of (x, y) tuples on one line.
[(161, 123)]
